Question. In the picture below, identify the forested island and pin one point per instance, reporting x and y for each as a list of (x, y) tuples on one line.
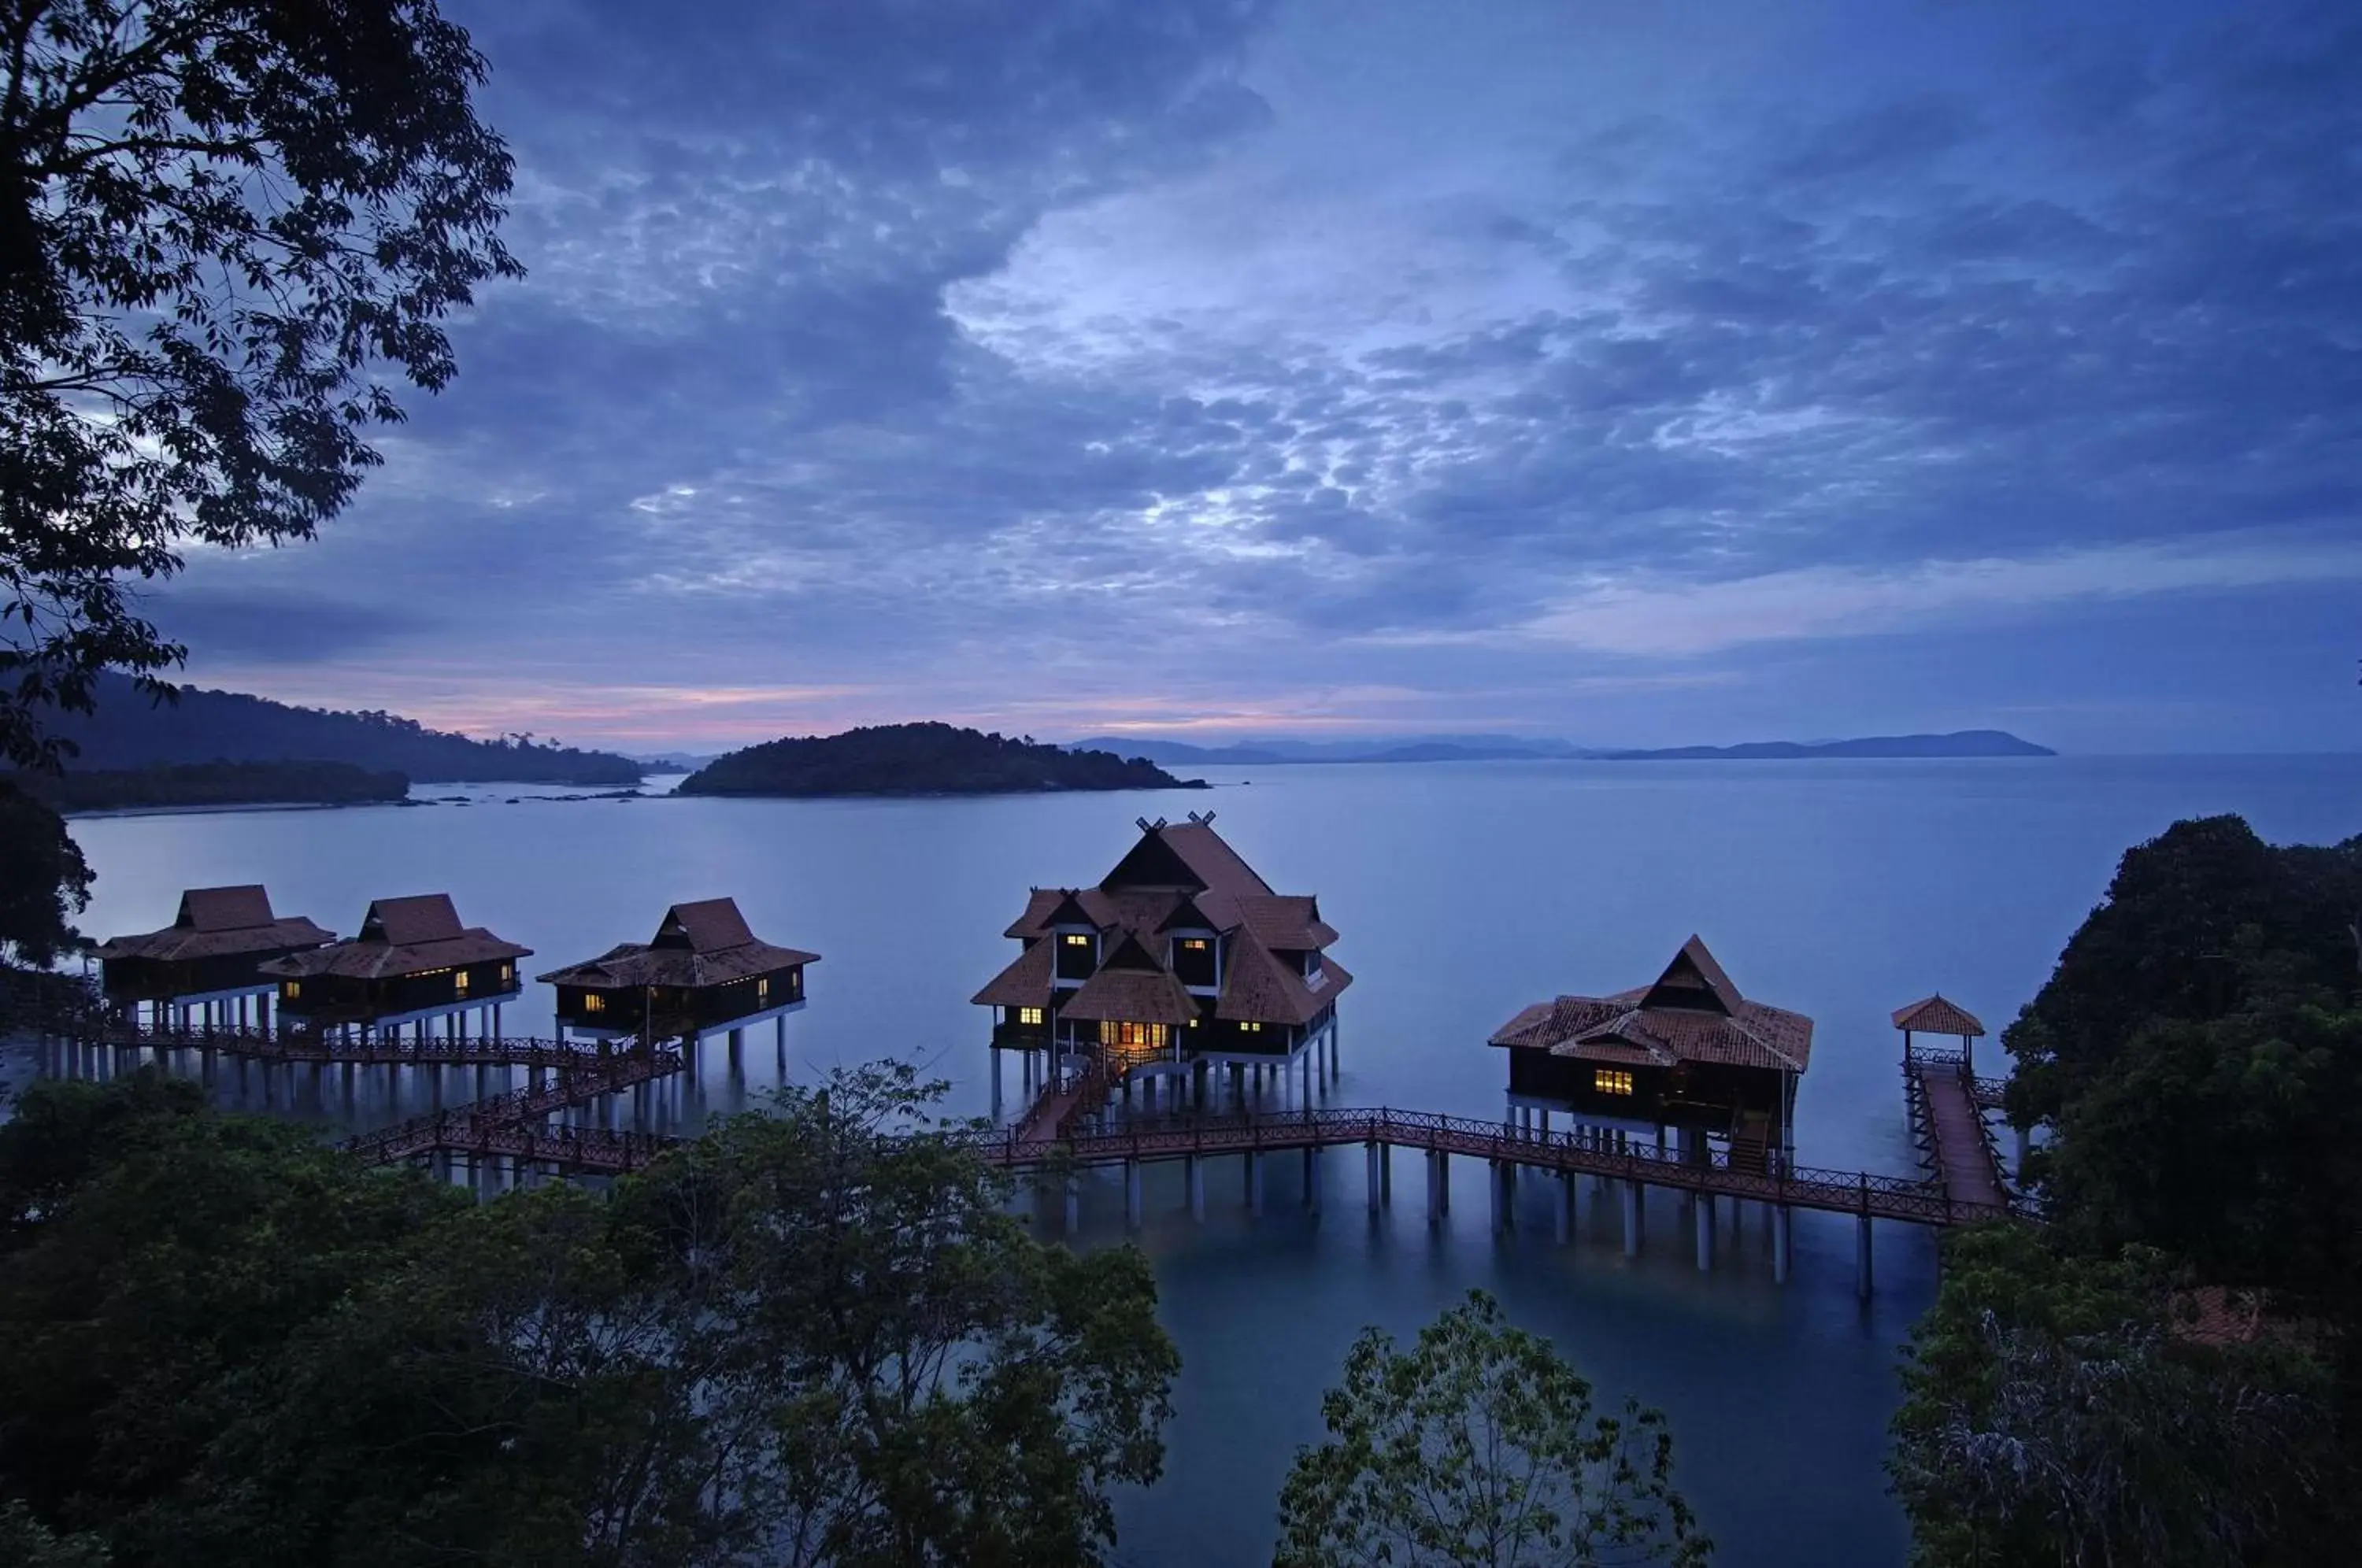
[(921, 759), (1960, 742), (130, 731), (213, 784)]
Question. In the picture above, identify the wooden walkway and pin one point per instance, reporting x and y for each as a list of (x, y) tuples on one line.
[(1948, 1121), (1064, 1127)]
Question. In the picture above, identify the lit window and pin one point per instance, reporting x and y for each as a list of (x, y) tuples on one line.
[(1134, 1036), (1611, 1080), (1193, 945), (1076, 939), (1251, 1028), (459, 983), (593, 1002), (763, 988), (293, 989), (1029, 1015), (508, 973)]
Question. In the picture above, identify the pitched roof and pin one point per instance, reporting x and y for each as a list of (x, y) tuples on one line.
[(220, 922), (1132, 995), (1937, 1016), (696, 945), (1177, 876), (225, 909), (401, 936), (1692, 1013), (1024, 983)]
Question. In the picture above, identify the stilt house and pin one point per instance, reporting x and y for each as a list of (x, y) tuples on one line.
[(704, 971), (212, 953), (412, 962)]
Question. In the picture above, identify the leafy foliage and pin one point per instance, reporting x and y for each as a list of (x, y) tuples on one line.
[(44, 880), (919, 759), (812, 1338), (1479, 1447), (2052, 1416), (222, 222)]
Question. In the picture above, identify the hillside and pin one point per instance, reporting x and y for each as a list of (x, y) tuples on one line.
[(1961, 743), (129, 732), (921, 760), (215, 784)]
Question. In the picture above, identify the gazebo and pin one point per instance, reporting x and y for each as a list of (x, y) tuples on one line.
[(1938, 1016)]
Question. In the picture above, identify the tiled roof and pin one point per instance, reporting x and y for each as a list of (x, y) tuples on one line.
[(219, 922), (1937, 1016), (1137, 996), (1693, 1013), (697, 946), (1026, 982), (1148, 895), (401, 936)]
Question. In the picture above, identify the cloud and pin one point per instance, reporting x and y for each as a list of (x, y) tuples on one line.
[(1661, 618)]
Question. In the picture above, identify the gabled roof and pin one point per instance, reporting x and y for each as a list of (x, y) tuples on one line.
[(696, 946), (220, 922), (1177, 877), (1694, 981), (1132, 995), (404, 922), (1937, 1016), (707, 925), (225, 909), (1690, 1013), (402, 937)]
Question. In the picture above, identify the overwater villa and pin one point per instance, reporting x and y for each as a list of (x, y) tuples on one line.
[(412, 963), (704, 972), (1181, 957), (1685, 1053), (210, 957)]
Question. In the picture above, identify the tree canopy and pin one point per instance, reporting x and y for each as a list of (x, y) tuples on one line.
[(1478, 1448), (814, 1337), (44, 880), (228, 228)]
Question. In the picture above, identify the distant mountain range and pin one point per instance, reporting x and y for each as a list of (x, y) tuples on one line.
[(1493, 748), (130, 732)]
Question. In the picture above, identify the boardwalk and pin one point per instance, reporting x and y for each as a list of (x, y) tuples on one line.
[(1948, 1118)]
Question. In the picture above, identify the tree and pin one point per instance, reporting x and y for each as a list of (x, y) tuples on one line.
[(44, 880), (226, 226), (811, 1338), (1479, 1447), (2052, 1415)]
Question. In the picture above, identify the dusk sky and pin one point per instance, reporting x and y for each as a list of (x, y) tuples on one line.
[(1635, 373)]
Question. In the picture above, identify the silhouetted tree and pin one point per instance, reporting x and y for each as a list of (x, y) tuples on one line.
[(226, 227), (44, 882)]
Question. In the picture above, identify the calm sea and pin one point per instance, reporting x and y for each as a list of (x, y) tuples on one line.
[(1842, 890)]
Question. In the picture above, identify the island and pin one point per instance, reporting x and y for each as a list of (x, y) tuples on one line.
[(921, 760), (212, 784), (1960, 742)]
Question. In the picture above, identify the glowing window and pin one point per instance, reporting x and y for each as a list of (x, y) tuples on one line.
[(508, 973), (763, 988), (1193, 945), (1076, 939), (1611, 1080), (1251, 1028), (593, 1002), (293, 989), (459, 983), (1029, 1015), (1134, 1036)]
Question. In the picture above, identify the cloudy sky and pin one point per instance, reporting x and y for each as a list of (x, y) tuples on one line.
[(1635, 371)]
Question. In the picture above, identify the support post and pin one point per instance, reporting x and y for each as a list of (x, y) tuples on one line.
[(1375, 1158), (1631, 1192), (1438, 1185), (1502, 1178), (1780, 1244), (1704, 1209), (1074, 1203), (1861, 1256), (1565, 1186), (1255, 1182), (1131, 1216), (1312, 1180), (1197, 1175)]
